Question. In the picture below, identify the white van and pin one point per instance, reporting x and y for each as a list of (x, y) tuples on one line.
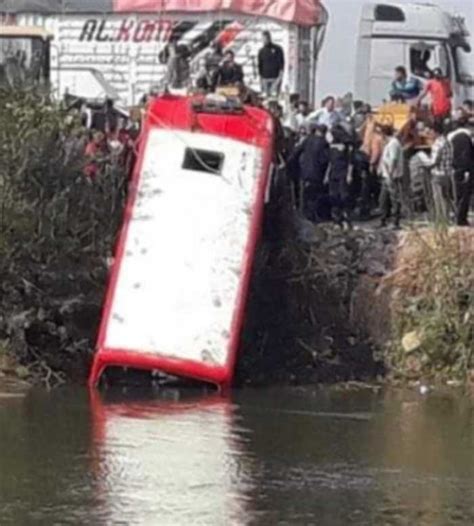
[(420, 37)]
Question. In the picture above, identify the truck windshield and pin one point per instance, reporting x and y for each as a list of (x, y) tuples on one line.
[(464, 63), (424, 58), (22, 60)]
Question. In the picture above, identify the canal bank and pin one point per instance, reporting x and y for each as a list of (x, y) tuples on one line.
[(363, 305), (326, 306)]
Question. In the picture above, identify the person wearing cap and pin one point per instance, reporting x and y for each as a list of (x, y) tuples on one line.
[(271, 64), (439, 88)]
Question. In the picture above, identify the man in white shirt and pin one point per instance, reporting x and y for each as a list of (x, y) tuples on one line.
[(297, 116), (327, 115), (301, 116), (391, 167)]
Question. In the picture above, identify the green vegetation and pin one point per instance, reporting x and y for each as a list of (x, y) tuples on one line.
[(56, 233), (433, 305)]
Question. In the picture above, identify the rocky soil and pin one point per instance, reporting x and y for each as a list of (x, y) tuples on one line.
[(305, 324)]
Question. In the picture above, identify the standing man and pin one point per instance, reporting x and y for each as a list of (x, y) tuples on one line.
[(214, 57), (339, 175), (271, 64), (302, 114), (177, 66), (326, 115), (441, 163), (463, 149), (292, 110), (111, 119), (441, 93), (391, 167), (312, 159), (366, 165)]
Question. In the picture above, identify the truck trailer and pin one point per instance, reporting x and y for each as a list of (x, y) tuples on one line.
[(117, 49), (126, 41)]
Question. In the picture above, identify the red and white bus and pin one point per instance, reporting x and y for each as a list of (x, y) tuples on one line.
[(178, 289)]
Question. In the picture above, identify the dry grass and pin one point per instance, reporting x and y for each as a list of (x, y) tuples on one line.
[(433, 304)]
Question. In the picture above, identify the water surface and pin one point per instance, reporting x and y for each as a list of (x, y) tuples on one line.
[(260, 457)]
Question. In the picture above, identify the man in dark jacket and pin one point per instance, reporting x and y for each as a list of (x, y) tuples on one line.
[(312, 159), (229, 73), (340, 170), (463, 164), (271, 64)]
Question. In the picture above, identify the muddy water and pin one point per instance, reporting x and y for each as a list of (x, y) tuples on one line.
[(280, 456)]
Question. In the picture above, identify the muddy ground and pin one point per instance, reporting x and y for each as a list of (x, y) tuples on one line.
[(312, 297)]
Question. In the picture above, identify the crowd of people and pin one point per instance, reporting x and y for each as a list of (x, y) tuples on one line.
[(109, 138), (343, 161), (101, 138), (219, 70), (346, 163)]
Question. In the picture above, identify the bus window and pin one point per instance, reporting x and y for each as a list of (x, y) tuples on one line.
[(203, 161)]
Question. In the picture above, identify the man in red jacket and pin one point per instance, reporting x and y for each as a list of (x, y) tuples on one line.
[(440, 90)]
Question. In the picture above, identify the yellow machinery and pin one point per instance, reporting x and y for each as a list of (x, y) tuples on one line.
[(394, 114), (407, 119)]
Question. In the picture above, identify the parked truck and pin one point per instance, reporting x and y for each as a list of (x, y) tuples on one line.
[(420, 37)]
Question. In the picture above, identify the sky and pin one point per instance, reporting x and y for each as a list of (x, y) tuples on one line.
[(336, 76)]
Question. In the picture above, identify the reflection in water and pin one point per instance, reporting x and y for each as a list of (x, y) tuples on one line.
[(428, 462), (160, 460), (265, 457)]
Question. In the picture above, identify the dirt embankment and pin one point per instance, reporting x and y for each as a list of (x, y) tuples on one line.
[(329, 306), (304, 324), (326, 306)]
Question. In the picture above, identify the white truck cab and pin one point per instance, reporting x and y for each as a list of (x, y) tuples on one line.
[(420, 37)]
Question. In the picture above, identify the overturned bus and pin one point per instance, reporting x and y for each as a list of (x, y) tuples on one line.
[(177, 295)]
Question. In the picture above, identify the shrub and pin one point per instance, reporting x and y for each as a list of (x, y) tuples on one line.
[(433, 305), (57, 228)]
